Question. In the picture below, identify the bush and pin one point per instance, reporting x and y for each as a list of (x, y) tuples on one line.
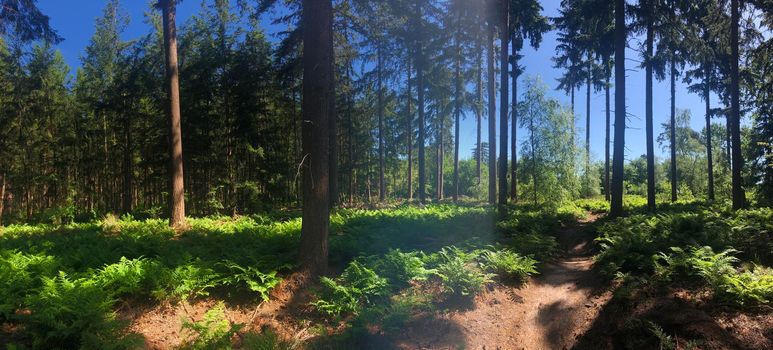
[(20, 274), (129, 277), (357, 286), (400, 268), (252, 278), (74, 313), (460, 276), (508, 264)]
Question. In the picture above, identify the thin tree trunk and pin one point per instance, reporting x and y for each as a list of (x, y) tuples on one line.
[(410, 134), (616, 207), (3, 179), (607, 127), (420, 94), (651, 206), (479, 108), (457, 112), (739, 197), (177, 191), (381, 183), (504, 102), (439, 160), (673, 132), (709, 157), (128, 168), (315, 111), (587, 117), (492, 115), (514, 129)]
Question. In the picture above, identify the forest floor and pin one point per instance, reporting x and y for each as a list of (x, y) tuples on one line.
[(551, 311)]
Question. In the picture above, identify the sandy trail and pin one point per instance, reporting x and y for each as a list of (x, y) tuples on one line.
[(549, 312)]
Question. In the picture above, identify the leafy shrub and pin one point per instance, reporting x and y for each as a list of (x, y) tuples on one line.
[(188, 280), (459, 274), (537, 245), (73, 313), (593, 205), (19, 274), (400, 268), (508, 264), (213, 332), (129, 277), (357, 286), (252, 278)]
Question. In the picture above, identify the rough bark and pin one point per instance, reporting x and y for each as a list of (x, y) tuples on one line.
[(616, 206), (380, 93), (673, 133), (607, 131), (479, 109), (410, 134), (492, 115), (648, 115), (420, 102), (457, 112), (315, 110), (739, 197), (514, 128), (504, 108), (709, 156), (177, 190)]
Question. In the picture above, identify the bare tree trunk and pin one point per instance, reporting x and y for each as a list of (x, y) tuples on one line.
[(177, 191), (478, 108), (410, 134), (381, 183), (439, 160), (420, 95), (3, 179), (128, 167), (673, 132), (587, 117), (651, 186), (457, 112), (709, 157), (514, 128), (606, 135), (492, 115), (333, 130), (315, 111), (739, 197), (504, 102), (616, 207)]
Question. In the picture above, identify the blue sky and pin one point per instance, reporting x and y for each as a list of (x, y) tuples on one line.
[(74, 19)]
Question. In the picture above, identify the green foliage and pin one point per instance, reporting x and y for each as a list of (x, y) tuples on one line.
[(188, 280), (213, 332), (256, 281), (73, 313), (400, 268), (460, 274), (357, 286), (507, 264), (129, 277), (19, 274), (593, 205)]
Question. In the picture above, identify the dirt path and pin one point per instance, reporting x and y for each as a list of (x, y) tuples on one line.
[(549, 312)]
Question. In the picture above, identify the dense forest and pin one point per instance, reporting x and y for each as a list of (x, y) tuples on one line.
[(304, 187)]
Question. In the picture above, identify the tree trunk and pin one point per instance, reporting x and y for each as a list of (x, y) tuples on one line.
[(709, 157), (616, 207), (479, 108), (514, 128), (315, 111), (333, 131), (177, 190), (420, 102), (673, 132), (492, 115), (607, 125), (410, 135), (739, 197), (504, 102), (128, 167), (3, 179), (651, 206), (439, 159), (380, 93), (587, 117), (457, 112)]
